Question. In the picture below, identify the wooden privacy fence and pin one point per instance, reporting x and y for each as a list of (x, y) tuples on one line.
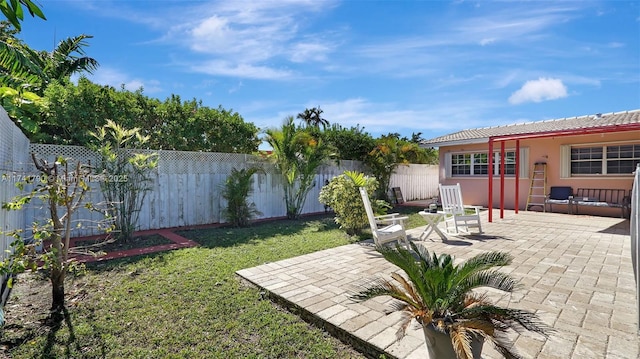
[(186, 187), (13, 147)]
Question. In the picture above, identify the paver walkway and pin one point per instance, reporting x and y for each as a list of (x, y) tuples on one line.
[(576, 273)]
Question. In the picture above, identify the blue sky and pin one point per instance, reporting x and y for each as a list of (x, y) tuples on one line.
[(434, 67)]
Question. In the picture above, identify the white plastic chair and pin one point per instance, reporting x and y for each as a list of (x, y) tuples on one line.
[(393, 224), (458, 217)]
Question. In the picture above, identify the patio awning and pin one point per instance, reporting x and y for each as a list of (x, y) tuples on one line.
[(502, 139)]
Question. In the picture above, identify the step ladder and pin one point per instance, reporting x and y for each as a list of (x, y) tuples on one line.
[(538, 188)]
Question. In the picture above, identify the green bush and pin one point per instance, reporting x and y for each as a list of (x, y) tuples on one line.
[(236, 189), (343, 196)]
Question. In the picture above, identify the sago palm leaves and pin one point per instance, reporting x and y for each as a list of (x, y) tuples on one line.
[(438, 293)]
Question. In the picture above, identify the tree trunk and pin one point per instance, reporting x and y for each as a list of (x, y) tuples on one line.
[(57, 290), (439, 345)]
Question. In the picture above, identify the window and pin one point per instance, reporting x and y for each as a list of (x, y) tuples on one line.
[(604, 159), (509, 163), (477, 164), (460, 164), (586, 160), (622, 159), (481, 164)]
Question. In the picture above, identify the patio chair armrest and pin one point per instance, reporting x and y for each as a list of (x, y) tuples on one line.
[(391, 218), (475, 208), (389, 215)]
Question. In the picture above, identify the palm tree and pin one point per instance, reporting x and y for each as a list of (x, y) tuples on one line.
[(312, 117), (22, 67), (68, 59), (25, 74), (297, 154), (389, 152), (440, 296), (236, 189)]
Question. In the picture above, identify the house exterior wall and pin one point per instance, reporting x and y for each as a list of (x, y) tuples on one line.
[(549, 150)]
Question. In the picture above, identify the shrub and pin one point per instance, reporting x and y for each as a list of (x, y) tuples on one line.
[(342, 195), (236, 189), (125, 174)]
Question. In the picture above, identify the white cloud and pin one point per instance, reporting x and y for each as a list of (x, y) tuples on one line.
[(505, 80), (236, 87), (513, 24), (487, 41), (243, 70), (303, 52), (252, 36), (615, 45), (116, 78), (542, 89), (376, 117)]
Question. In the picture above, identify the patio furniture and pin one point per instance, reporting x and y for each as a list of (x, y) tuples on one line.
[(559, 195), (432, 219), (598, 197), (458, 217), (392, 224)]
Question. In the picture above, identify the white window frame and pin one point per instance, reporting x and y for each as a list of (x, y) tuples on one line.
[(565, 159), (524, 160)]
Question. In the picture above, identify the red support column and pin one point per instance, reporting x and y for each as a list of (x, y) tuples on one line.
[(490, 173), (517, 184), (502, 179)]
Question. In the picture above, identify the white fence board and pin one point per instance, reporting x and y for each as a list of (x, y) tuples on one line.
[(416, 181), (14, 154), (186, 187)]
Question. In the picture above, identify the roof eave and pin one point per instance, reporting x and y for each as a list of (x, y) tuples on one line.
[(469, 141)]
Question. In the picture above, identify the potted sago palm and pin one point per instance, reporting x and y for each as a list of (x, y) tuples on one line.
[(443, 298)]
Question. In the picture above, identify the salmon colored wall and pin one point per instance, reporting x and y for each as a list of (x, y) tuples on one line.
[(475, 189)]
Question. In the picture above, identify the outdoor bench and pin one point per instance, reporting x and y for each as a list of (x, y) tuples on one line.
[(599, 197), (559, 195)]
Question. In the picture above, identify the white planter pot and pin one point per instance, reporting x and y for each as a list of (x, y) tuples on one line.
[(439, 345)]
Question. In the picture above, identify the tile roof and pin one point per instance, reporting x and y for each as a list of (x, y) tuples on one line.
[(478, 135)]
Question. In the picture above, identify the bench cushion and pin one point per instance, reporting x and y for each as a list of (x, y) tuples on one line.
[(612, 196), (557, 201), (597, 204)]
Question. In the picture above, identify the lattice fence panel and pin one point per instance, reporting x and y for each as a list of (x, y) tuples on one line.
[(73, 153)]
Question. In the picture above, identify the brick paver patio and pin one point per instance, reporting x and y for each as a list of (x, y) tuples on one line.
[(576, 273)]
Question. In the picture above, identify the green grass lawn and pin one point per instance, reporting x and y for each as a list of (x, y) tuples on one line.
[(189, 303)]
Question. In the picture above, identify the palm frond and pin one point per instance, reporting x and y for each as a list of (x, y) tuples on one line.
[(516, 319), (493, 279), (405, 260), (70, 45), (503, 345), (409, 289), (380, 287), (407, 317), (461, 338), (486, 261), (18, 61)]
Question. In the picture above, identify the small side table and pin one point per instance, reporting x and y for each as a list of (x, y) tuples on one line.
[(432, 219)]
